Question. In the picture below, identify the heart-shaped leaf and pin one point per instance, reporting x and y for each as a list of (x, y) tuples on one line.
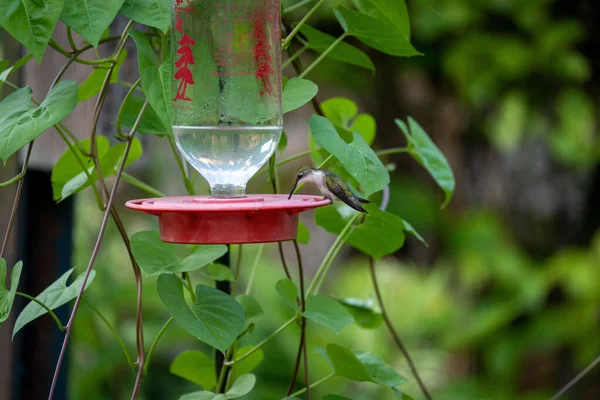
[(241, 387), (401, 395), (249, 363), (156, 77), (392, 11), (31, 22), (215, 318), (218, 272), (196, 367), (297, 92), (21, 122), (344, 52), (426, 153), (155, 13), (378, 34), (379, 235), (288, 292), (54, 296), (7, 296), (364, 312), (90, 18), (20, 62), (362, 367), (252, 310), (327, 313), (69, 178), (357, 157), (303, 233), (150, 124), (203, 396), (343, 113), (156, 257)]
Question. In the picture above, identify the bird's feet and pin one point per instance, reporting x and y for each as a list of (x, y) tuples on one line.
[(327, 198)]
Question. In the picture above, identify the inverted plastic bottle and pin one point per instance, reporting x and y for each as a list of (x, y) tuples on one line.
[(226, 89)]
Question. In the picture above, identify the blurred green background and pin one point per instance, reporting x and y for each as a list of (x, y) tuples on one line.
[(505, 303)]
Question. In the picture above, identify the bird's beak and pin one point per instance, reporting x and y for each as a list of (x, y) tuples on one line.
[(293, 190)]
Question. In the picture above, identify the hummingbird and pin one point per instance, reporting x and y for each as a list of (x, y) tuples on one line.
[(330, 185)]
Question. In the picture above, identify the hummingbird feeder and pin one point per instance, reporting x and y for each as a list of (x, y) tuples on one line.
[(227, 120)]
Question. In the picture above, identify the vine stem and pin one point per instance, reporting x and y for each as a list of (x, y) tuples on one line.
[(393, 332), (155, 343), (254, 267), (45, 307), (312, 386), (262, 343), (576, 379), (132, 180), (323, 56), (303, 21), (329, 257), (13, 212), (297, 6), (112, 329), (88, 271), (186, 181)]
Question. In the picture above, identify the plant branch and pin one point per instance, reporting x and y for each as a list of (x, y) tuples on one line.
[(45, 307), (263, 342), (112, 329), (297, 6), (312, 386), (87, 273), (13, 212), (303, 21), (328, 260), (393, 332), (322, 56), (142, 186), (186, 181), (576, 379), (132, 90), (155, 343), (253, 271)]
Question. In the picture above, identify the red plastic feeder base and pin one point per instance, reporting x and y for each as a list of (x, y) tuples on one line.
[(205, 220)]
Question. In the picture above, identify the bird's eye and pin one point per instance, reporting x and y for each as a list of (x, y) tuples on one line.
[(300, 176)]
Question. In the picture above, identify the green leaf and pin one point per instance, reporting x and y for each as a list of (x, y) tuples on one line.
[(283, 142), (18, 64), (196, 367), (426, 153), (343, 113), (379, 235), (90, 18), (203, 396), (410, 229), (335, 397), (151, 123), (327, 313), (31, 22), (400, 395), (378, 34), (92, 85), (218, 272), (215, 318), (357, 157), (392, 11), (288, 292), (362, 367), (252, 310), (155, 77), (249, 363), (20, 122), (155, 13), (156, 257), (303, 233), (344, 52), (297, 92), (364, 312), (7, 296), (54, 296), (69, 178), (242, 386)]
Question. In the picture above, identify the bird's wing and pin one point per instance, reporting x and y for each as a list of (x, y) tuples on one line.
[(343, 193)]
